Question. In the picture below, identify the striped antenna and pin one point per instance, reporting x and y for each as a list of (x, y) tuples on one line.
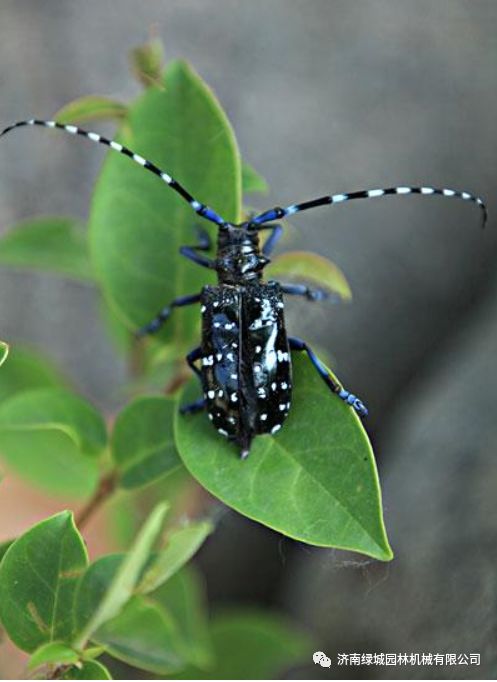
[(277, 212), (198, 207)]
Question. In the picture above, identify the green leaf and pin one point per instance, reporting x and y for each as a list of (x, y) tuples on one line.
[(181, 545), (57, 653), (143, 442), (50, 244), (38, 577), (310, 268), (147, 62), (138, 223), (52, 438), (4, 351), (95, 607), (253, 645), (314, 481), (117, 330), (91, 108), (27, 369), (143, 635), (183, 597), (252, 181), (164, 631), (4, 546), (89, 670)]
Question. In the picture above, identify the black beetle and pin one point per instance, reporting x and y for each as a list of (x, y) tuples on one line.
[(244, 358)]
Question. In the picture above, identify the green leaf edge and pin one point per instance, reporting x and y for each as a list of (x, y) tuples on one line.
[(4, 352), (132, 563), (67, 514), (53, 652)]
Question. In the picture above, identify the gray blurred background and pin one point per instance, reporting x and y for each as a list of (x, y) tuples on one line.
[(325, 96)]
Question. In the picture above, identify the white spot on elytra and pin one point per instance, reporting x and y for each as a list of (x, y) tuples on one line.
[(273, 386), (275, 428), (220, 393), (258, 349), (216, 304), (280, 305), (234, 376), (284, 385), (222, 432), (282, 407), (210, 416), (257, 368), (211, 394), (219, 357), (230, 357), (263, 417), (203, 309), (234, 398)]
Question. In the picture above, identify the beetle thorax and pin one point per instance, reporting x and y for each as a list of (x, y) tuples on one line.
[(239, 258)]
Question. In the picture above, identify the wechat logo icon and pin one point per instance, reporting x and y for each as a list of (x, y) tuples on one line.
[(320, 658)]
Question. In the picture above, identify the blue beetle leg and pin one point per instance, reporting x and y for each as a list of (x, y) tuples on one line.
[(204, 244), (273, 239), (155, 324), (349, 398), (192, 358), (302, 290), (190, 253), (197, 406)]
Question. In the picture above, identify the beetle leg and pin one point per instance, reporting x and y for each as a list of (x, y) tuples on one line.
[(190, 253), (349, 398), (204, 244), (197, 406), (191, 359), (273, 239), (303, 290), (155, 324)]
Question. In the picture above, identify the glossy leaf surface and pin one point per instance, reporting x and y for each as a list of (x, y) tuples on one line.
[(142, 443), (38, 578), (315, 480), (52, 438)]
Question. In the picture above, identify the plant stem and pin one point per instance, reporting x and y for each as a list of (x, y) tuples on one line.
[(105, 489)]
